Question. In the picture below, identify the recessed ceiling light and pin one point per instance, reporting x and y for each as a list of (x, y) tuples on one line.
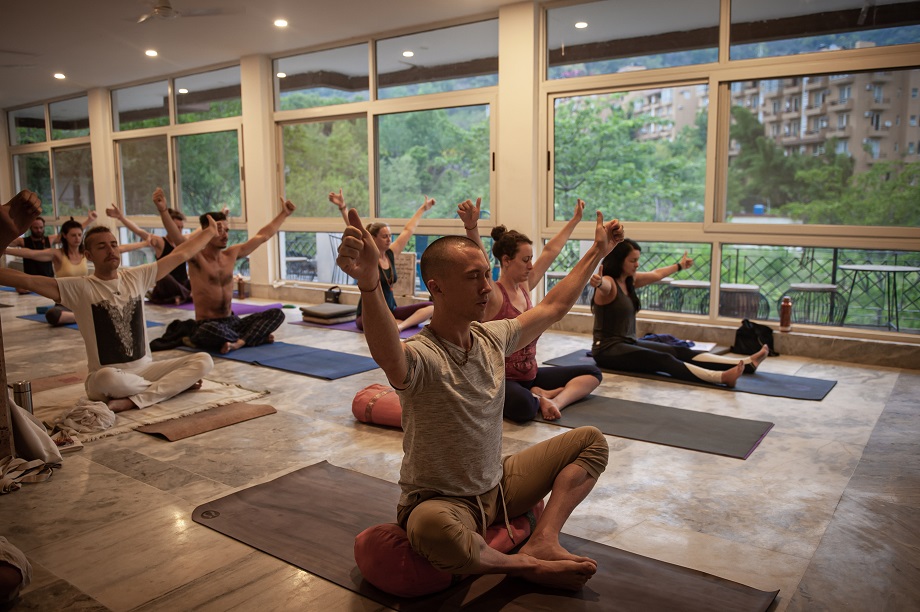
[(183, 90), (281, 75), (150, 53), (281, 23), (408, 53), (581, 25), (59, 75)]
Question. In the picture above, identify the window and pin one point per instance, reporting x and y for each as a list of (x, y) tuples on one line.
[(603, 157), (208, 173), (324, 156), (765, 30), (448, 59), (910, 148), (913, 120), (620, 37), (142, 106), (842, 120), (27, 125), (322, 78), (144, 166), (32, 171), (208, 95), (73, 181), (69, 118), (443, 153)]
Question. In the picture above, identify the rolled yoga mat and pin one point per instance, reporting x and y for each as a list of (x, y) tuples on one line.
[(310, 518), (209, 420), (699, 431), (760, 383), (319, 363)]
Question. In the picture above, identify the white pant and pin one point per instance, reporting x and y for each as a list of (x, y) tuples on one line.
[(150, 383)]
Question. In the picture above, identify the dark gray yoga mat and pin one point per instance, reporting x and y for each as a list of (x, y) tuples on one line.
[(299, 359), (699, 431), (760, 383), (310, 517)]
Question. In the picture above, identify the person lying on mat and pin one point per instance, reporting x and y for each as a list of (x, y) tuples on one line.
[(109, 309), (211, 274), (67, 261), (174, 288), (615, 305), (37, 241), (528, 389), (450, 378), (410, 315)]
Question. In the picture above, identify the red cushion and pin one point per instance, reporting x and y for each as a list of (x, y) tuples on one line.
[(387, 561), (377, 404)]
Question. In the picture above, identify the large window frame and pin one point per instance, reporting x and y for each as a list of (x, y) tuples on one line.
[(719, 76)]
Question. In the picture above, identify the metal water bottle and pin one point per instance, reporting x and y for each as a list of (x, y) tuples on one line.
[(785, 314), (22, 394)]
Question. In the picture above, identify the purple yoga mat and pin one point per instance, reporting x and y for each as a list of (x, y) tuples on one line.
[(350, 326), (239, 308)]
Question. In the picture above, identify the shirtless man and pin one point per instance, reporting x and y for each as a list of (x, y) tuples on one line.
[(109, 308), (450, 378), (211, 275)]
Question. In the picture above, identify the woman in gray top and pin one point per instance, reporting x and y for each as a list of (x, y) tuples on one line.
[(616, 347)]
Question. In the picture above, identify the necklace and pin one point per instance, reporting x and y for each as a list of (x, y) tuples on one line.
[(466, 352)]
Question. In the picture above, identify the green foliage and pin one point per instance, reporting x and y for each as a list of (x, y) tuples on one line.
[(209, 173), (217, 109)]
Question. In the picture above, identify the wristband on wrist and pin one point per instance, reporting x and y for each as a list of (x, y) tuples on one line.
[(469, 229), (679, 267), (373, 289)]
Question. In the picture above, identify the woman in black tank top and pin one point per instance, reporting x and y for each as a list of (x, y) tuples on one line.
[(615, 305)]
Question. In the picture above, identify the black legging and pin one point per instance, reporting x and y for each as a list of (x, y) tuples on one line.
[(650, 357), (520, 403)]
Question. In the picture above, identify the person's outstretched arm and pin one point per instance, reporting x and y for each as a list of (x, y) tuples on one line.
[(17, 215), (605, 288), (195, 241), (156, 242), (562, 297), (173, 232), (551, 249), (33, 254), (647, 278), (42, 285), (90, 219), (339, 200), (358, 258), (245, 249), (402, 240)]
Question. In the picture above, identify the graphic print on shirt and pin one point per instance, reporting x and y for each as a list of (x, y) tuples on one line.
[(120, 336)]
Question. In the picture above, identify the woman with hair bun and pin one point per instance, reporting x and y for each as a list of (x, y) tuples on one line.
[(411, 315), (615, 305), (528, 389)]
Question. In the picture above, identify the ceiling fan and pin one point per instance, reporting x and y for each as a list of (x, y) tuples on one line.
[(163, 10)]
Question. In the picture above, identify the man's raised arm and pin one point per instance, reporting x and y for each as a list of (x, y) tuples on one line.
[(358, 258), (193, 244), (262, 236), (564, 294), (173, 232)]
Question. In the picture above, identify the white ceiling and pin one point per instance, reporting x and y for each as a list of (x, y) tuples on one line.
[(97, 43)]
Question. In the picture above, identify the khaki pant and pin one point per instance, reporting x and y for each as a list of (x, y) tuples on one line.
[(442, 529)]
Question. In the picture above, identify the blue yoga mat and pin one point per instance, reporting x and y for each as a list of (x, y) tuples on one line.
[(40, 318), (760, 383), (319, 363)]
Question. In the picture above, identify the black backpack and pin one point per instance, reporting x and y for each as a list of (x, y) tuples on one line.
[(751, 336)]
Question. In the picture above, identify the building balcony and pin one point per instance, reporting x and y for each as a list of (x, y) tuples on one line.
[(814, 110), (881, 77), (841, 105), (880, 103), (813, 136), (791, 114), (816, 83), (790, 139), (839, 132)]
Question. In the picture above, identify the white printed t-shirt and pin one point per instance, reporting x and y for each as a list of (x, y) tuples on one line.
[(110, 316)]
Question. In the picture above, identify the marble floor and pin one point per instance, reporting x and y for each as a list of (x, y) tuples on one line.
[(825, 510)]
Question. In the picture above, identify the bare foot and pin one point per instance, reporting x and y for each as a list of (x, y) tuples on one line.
[(194, 387), (549, 409), (729, 377), (548, 393), (178, 301), (568, 575), (120, 404), (232, 346), (550, 550), (756, 359), (270, 339)]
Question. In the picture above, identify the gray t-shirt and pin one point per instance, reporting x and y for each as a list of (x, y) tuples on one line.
[(452, 414)]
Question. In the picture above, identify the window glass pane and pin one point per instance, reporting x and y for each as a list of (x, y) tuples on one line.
[(27, 125), (449, 59), (620, 36), (324, 156), (144, 167), (142, 106), (235, 236), (209, 95), (822, 149), (336, 76), (872, 289), (33, 172), (209, 173), (767, 29), (442, 153), (73, 181), (310, 257), (636, 156), (70, 118), (140, 256)]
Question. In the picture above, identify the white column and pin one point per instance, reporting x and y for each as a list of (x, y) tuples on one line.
[(7, 189), (105, 185), (258, 161)]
